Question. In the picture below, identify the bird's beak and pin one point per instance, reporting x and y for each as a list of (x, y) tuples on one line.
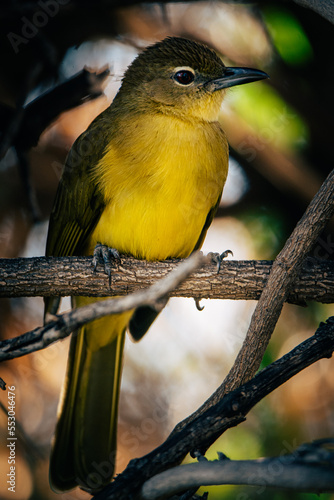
[(235, 76)]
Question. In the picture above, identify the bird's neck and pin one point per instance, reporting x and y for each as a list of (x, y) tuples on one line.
[(202, 110)]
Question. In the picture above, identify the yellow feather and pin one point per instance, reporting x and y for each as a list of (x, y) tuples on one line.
[(159, 188)]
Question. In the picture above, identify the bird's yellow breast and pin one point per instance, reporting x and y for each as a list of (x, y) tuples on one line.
[(160, 177)]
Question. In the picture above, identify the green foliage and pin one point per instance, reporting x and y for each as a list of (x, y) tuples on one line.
[(270, 116), (288, 36), (267, 231)]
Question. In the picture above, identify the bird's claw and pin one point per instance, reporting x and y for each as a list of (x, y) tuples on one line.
[(217, 258), (199, 456), (222, 456), (107, 256), (198, 305)]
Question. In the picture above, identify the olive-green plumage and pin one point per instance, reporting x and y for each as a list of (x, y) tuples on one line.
[(145, 178)]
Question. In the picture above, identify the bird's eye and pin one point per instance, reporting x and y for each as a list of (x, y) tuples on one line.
[(184, 77)]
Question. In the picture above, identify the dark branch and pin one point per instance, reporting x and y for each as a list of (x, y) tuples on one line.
[(227, 413), (38, 114), (325, 8), (285, 270)]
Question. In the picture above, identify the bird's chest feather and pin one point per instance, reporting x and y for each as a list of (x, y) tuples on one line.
[(160, 180)]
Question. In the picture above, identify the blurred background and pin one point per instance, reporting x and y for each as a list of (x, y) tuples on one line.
[(280, 135)]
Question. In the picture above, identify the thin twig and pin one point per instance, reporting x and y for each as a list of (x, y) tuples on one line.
[(64, 324)]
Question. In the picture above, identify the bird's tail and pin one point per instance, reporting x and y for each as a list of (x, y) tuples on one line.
[(84, 446)]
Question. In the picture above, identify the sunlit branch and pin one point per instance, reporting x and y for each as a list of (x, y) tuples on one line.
[(237, 280)]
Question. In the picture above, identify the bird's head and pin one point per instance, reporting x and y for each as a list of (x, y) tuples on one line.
[(183, 78)]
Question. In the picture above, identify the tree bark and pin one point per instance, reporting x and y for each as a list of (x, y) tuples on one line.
[(237, 280)]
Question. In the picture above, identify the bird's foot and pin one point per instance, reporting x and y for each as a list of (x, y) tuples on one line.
[(217, 258), (198, 305), (199, 455), (222, 457), (107, 256)]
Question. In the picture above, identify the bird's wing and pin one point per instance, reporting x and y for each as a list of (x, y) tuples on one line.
[(207, 224), (79, 203), (77, 209)]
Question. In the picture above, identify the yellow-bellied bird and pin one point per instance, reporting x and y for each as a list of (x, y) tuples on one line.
[(145, 178)]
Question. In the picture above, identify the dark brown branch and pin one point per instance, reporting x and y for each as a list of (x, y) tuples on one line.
[(11, 120), (82, 87), (24, 168), (38, 114), (227, 413), (239, 280), (325, 8)]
